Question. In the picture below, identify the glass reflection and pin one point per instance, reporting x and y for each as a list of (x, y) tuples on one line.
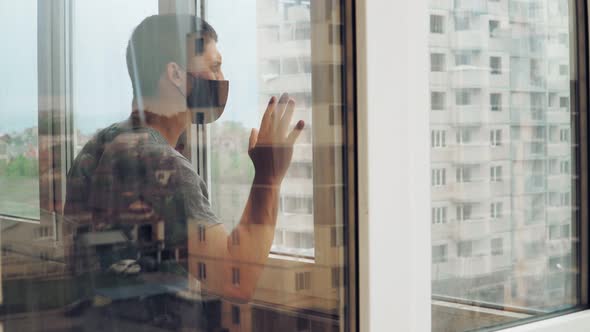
[(128, 237)]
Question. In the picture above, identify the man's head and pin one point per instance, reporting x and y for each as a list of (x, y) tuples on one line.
[(166, 52)]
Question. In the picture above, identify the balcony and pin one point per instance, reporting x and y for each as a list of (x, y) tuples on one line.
[(559, 247), (292, 83), (469, 191), (470, 154), (524, 116), (500, 188), (469, 77), (441, 4), (499, 262), (468, 115), (557, 115), (500, 225), (441, 154), (558, 82), (535, 184), (528, 151), (439, 79), (557, 50), (473, 266), (559, 149), (303, 152), (556, 213), (501, 152), (470, 39), (559, 181), (472, 229), (471, 6)]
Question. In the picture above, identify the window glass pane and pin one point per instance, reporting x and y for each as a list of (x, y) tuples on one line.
[(511, 234), (165, 210), (19, 154)]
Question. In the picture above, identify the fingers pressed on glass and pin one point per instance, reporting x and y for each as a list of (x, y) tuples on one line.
[(266, 118), (287, 117), (280, 110), (292, 138)]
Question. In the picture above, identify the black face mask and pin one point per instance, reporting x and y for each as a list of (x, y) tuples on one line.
[(206, 99)]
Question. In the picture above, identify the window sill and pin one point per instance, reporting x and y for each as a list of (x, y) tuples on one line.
[(574, 322)]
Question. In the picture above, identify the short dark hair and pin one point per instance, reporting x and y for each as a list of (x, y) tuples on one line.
[(159, 40)]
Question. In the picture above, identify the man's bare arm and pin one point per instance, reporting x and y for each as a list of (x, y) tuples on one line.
[(271, 150)]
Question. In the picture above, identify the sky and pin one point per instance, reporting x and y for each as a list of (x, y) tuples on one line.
[(101, 85)]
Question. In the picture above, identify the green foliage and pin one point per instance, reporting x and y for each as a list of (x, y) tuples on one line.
[(230, 162), (20, 166)]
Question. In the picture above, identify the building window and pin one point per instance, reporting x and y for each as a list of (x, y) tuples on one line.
[(302, 280), (439, 215), (464, 249), (497, 247), (496, 102), (463, 174), (564, 135), (301, 170), (335, 277), (336, 236), (462, 23), (563, 70), (496, 210), (202, 271), (564, 102), (235, 315), (463, 59), (235, 238), (463, 97), (496, 173), (437, 101), (235, 276), (464, 212), (437, 24), (463, 136), (496, 65), (557, 232), (437, 62), (438, 138), (496, 137), (202, 233), (439, 253), (439, 177), (494, 26), (564, 167), (297, 205)]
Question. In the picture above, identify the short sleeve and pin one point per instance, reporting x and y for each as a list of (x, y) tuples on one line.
[(194, 194)]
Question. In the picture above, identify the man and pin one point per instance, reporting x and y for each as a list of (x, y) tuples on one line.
[(130, 182)]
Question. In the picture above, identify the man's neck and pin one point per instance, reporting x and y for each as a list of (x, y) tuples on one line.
[(170, 123)]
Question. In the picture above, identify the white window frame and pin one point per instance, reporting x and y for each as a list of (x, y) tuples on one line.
[(438, 138), (496, 173), (406, 131), (436, 67), (437, 24), (496, 107), (439, 177), (439, 215), (496, 137)]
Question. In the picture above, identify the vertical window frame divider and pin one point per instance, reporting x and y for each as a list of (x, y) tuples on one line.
[(578, 318)]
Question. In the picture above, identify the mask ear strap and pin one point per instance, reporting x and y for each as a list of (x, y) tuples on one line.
[(177, 87)]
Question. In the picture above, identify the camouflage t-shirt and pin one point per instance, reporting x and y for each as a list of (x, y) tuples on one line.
[(129, 175)]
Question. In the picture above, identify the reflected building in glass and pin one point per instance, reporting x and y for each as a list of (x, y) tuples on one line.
[(502, 231)]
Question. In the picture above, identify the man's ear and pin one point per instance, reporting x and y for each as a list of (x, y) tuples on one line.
[(175, 74)]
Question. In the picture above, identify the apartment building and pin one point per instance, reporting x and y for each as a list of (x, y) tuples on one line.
[(500, 152)]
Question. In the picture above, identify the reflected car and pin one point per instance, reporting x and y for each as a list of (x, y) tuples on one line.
[(126, 267)]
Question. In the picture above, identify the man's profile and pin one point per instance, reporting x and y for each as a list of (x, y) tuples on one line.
[(138, 206)]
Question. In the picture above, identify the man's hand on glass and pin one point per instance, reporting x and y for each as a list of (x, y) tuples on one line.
[(271, 147)]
